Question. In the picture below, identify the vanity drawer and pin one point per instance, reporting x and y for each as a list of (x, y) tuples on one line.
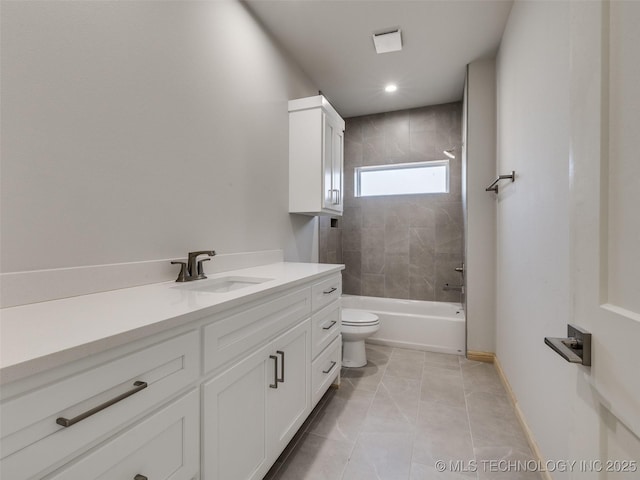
[(163, 446), (326, 291), (33, 438), (238, 333), (325, 326), (325, 370)]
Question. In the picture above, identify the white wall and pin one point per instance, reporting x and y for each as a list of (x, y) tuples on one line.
[(136, 131), (533, 229), (480, 222), (550, 128)]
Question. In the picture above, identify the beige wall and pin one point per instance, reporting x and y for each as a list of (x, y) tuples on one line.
[(136, 131)]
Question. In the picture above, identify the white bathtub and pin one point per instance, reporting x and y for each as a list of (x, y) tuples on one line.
[(421, 325)]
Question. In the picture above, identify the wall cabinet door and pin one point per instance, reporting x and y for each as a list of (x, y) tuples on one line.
[(289, 405), (338, 167), (332, 164)]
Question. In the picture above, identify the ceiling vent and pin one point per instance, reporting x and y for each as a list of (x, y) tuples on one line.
[(389, 41)]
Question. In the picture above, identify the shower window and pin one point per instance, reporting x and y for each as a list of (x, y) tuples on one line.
[(402, 179)]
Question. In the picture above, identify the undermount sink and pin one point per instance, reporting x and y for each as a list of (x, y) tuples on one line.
[(224, 284)]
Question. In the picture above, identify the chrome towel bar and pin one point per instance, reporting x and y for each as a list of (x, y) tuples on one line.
[(494, 186)]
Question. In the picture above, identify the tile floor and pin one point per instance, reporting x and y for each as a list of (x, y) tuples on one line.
[(406, 410)]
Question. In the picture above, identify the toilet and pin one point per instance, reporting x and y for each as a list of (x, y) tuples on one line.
[(357, 325)]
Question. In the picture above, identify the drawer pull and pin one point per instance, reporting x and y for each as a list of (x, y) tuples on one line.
[(333, 364), (275, 372), (280, 352), (143, 477), (333, 322), (330, 291), (66, 422)]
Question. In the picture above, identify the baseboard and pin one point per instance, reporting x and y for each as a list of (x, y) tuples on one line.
[(525, 427), (487, 357)]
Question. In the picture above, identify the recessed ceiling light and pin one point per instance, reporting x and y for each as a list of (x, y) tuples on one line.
[(392, 87)]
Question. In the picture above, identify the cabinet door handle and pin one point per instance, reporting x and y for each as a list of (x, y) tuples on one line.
[(333, 322), (140, 477), (281, 353), (335, 199), (67, 422), (330, 291), (333, 364), (275, 372)]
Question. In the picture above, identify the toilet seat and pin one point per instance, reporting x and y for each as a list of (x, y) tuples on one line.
[(358, 318)]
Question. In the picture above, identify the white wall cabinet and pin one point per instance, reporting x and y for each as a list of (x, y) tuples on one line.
[(157, 431), (316, 157)]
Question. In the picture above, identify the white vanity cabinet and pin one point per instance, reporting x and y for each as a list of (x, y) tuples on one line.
[(253, 409), (163, 446), (216, 398), (326, 340), (316, 157), (128, 385), (255, 406)]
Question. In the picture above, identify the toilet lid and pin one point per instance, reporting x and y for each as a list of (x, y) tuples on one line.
[(356, 317)]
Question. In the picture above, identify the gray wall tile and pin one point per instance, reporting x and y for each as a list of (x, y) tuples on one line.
[(373, 238), (372, 285), (400, 246), (373, 260), (352, 274), (396, 271), (352, 240)]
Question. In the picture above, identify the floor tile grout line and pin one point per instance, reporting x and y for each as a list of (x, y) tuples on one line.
[(466, 407), (415, 432), (344, 469)]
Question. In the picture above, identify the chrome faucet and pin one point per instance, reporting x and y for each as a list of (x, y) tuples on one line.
[(192, 268)]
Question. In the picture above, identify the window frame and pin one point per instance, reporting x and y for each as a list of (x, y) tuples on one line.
[(401, 166)]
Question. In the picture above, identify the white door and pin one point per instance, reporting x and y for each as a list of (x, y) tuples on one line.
[(605, 228)]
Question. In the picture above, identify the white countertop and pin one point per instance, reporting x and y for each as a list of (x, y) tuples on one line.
[(40, 336)]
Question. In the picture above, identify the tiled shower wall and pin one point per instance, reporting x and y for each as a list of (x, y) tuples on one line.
[(404, 246)]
